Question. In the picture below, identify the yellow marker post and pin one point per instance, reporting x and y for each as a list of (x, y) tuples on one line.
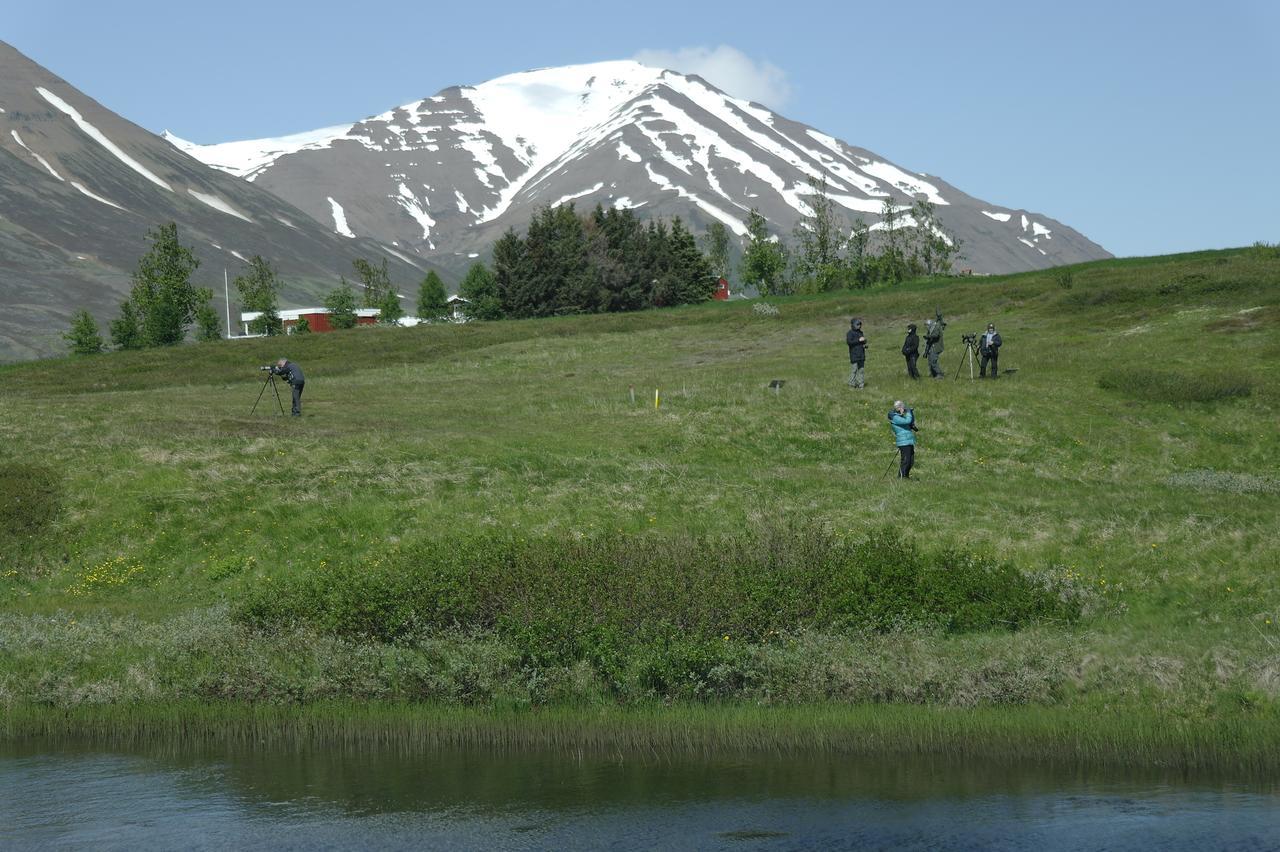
[(655, 397)]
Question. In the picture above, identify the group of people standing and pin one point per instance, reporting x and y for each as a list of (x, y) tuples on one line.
[(988, 348), (902, 420)]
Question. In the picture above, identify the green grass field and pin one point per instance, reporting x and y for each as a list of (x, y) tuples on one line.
[(1130, 462)]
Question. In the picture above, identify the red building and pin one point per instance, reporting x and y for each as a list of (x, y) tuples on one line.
[(722, 290), (317, 318)]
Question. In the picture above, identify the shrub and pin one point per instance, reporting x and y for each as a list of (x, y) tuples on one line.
[(1169, 386), (30, 499), (665, 614)]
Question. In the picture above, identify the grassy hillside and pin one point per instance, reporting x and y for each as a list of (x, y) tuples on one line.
[(1110, 508)]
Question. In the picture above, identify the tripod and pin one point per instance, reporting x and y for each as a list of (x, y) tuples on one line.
[(270, 380), (970, 352), (892, 461)]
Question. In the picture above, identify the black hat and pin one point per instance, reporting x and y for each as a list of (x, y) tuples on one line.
[(911, 327)]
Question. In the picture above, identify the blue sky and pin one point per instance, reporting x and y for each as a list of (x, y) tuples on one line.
[(1150, 127)]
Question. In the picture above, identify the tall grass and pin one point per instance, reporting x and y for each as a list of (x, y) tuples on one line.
[(1173, 386), (1131, 739)]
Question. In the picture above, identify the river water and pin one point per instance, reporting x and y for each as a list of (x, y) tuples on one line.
[(349, 798)]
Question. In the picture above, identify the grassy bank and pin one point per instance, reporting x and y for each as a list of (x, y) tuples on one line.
[(1041, 735), (487, 516)]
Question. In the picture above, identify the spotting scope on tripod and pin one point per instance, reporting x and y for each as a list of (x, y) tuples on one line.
[(970, 354), (270, 380)]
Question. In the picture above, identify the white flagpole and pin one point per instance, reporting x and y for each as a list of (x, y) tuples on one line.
[(226, 293)]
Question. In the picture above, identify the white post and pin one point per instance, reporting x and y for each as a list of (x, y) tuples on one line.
[(226, 293)]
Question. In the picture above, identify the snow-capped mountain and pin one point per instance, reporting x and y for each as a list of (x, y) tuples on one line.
[(444, 176), (80, 187)]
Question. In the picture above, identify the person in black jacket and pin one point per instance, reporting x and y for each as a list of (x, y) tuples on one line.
[(911, 351), (857, 354), (989, 349), (292, 374)]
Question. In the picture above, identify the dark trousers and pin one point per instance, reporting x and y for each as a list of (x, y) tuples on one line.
[(908, 458), (911, 366), (297, 398), (992, 356)]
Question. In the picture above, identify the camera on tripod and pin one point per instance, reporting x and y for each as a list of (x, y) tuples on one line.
[(265, 368), (969, 339)]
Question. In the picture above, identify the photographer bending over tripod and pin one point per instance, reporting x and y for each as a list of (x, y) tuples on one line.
[(292, 374), (903, 422), (989, 349)]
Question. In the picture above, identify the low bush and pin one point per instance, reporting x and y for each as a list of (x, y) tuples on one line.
[(1170, 386), (30, 499), (667, 611)]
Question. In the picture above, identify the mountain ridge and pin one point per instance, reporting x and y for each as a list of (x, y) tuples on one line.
[(443, 176)]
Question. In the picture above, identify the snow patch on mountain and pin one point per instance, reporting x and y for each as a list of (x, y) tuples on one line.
[(908, 183), (41, 160), (731, 222), (415, 209), (572, 196), (249, 157), (95, 196), (340, 219), (100, 137), (217, 204), (999, 217)]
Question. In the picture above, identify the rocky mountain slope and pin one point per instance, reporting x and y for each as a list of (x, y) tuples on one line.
[(80, 187), (443, 177)]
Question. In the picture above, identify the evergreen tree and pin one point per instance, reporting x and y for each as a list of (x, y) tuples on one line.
[(163, 297), (375, 280), (433, 301), (620, 263), (715, 243), (480, 289), (83, 336), (764, 261), (208, 326), (694, 281), (341, 304), (390, 309), (126, 330), (258, 289), (508, 273)]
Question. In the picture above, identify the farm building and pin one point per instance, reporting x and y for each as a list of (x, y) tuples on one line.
[(317, 318)]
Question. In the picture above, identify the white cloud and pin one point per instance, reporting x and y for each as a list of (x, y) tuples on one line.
[(726, 68)]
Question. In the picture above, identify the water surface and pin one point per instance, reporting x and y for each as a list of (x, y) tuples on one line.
[(56, 795)]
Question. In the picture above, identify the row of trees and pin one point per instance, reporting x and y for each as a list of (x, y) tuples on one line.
[(907, 242), (607, 260)]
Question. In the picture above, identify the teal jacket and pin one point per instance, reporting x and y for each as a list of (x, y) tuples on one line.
[(903, 436)]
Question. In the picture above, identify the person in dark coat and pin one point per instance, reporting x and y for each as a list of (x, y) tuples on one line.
[(857, 354), (989, 349), (292, 374), (933, 330), (911, 351)]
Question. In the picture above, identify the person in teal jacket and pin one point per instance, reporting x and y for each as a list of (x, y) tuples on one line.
[(903, 422)]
